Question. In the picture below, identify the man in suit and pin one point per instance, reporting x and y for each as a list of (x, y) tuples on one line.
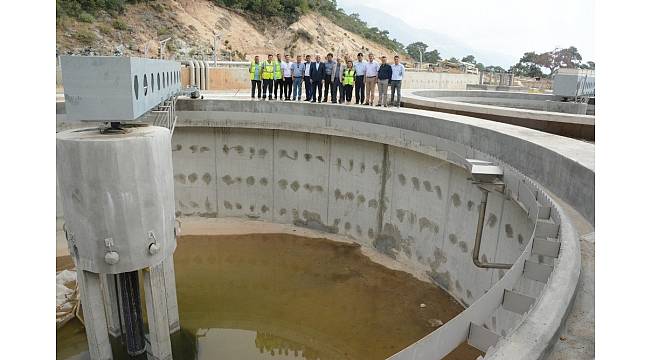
[(306, 78), (317, 73), (337, 81)]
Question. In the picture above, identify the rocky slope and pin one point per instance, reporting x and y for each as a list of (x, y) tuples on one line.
[(192, 24)]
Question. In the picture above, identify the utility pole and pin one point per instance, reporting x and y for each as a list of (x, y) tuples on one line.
[(420, 50), (217, 38), (162, 45)]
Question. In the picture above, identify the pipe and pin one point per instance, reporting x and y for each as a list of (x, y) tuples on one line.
[(479, 235), (202, 75), (197, 74), (207, 75), (191, 66)]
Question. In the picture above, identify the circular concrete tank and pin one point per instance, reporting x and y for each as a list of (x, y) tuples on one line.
[(397, 183)]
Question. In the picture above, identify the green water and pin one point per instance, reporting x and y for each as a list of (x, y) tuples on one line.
[(287, 297)]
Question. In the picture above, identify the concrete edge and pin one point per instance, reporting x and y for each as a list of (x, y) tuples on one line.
[(411, 96), (535, 335), (538, 331)]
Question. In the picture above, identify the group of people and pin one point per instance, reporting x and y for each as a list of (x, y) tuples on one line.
[(339, 78)]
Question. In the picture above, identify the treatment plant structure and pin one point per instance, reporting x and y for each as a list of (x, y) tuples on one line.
[(486, 210)]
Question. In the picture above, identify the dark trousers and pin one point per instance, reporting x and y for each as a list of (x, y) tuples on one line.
[(328, 82), (337, 86), (307, 87), (316, 85), (278, 84), (359, 89), (287, 87), (267, 84), (258, 84), (348, 92)]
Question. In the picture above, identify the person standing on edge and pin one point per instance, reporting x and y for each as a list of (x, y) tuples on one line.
[(278, 79), (256, 77), (267, 77), (349, 76), (286, 73), (337, 81), (360, 70), (329, 64), (396, 82), (307, 78), (384, 74), (297, 71), (372, 68), (317, 73)]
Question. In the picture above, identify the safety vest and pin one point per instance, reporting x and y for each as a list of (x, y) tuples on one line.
[(255, 67), (277, 74), (267, 70), (348, 77)]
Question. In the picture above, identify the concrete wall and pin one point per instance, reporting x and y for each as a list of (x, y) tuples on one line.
[(239, 78), (431, 80), (420, 210), (517, 100)]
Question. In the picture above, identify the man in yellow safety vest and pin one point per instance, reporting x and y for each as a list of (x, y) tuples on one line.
[(267, 77), (278, 79), (348, 81)]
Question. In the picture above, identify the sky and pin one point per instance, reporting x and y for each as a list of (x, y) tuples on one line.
[(508, 27)]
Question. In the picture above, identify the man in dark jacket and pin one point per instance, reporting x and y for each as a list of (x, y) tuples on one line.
[(385, 73), (317, 73)]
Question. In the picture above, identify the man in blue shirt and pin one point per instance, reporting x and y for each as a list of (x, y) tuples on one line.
[(359, 87), (329, 64), (297, 72), (396, 82), (255, 70)]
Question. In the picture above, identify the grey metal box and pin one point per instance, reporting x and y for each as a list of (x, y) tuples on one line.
[(574, 82), (111, 88)]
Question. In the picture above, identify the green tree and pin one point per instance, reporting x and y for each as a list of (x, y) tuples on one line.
[(469, 59), (559, 58), (414, 50), (480, 66), (432, 56), (527, 66), (453, 60)]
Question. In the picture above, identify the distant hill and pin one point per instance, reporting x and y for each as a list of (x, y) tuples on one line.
[(407, 34), (130, 27)]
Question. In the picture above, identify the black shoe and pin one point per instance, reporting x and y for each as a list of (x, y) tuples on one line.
[(333, 102), (313, 101)]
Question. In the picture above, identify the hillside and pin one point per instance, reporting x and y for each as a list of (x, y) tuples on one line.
[(191, 24)]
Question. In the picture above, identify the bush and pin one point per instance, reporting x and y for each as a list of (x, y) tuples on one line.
[(105, 29), (119, 25), (86, 17), (86, 36)]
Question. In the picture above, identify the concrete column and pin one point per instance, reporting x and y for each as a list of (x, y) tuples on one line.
[(90, 290), (156, 299), (170, 289), (109, 292)]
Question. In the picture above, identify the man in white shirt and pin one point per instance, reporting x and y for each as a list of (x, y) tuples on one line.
[(359, 86), (286, 73), (372, 69), (396, 82)]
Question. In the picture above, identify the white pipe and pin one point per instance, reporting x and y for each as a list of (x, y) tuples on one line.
[(207, 75), (197, 74), (202, 74)]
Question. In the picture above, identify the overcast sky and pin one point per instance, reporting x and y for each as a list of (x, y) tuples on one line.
[(511, 27)]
